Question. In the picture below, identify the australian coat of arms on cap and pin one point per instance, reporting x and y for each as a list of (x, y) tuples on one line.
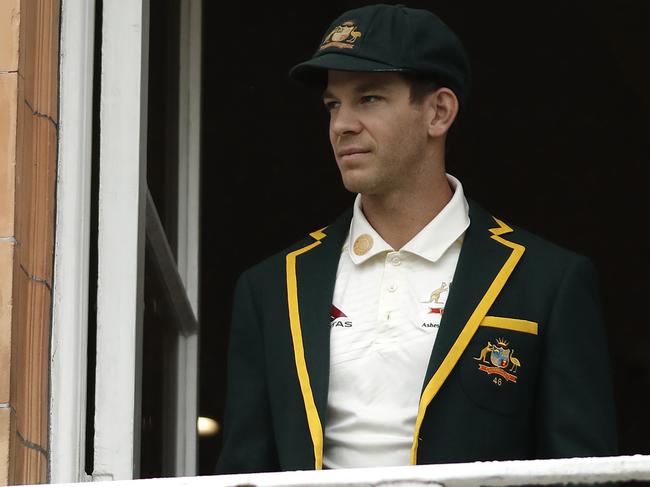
[(343, 36)]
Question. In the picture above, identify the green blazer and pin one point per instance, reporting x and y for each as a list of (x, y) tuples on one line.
[(519, 369)]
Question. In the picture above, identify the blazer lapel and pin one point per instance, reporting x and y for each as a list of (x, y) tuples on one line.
[(310, 302), (480, 261), (485, 264)]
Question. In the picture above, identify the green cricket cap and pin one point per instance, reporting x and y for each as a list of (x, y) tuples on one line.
[(390, 38)]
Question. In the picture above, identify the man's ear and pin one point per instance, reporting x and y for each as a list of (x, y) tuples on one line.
[(443, 106)]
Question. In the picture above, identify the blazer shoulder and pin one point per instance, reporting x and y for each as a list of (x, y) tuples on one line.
[(546, 250), (330, 234), (538, 249)]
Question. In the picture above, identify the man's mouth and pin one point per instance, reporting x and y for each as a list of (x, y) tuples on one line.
[(351, 151)]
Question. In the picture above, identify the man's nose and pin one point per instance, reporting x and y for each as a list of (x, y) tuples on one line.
[(345, 121)]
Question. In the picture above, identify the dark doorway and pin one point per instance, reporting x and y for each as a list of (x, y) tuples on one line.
[(555, 140)]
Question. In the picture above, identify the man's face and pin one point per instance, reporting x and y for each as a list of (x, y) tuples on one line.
[(378, 136)]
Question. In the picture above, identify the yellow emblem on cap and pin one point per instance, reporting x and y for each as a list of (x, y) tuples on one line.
[(362, 244), (343, 36)]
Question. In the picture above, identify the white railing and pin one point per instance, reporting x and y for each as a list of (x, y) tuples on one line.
[(528, 472)]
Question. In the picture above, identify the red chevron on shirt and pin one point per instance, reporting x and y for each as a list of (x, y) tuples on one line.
[(337, 313)]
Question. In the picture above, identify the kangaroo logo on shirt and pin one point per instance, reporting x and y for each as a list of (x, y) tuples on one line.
[(501, 358), (435, 299), (339, 319), (435, 295)]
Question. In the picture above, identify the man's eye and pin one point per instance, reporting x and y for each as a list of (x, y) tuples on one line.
[(370, 98), (330, 105)]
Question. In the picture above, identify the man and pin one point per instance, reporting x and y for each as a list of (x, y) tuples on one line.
[(417, 328)]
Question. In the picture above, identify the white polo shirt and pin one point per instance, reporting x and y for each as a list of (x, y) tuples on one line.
[(385, 317)]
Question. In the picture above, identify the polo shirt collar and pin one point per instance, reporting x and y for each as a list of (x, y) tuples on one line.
[(430, 243), (364, 242)]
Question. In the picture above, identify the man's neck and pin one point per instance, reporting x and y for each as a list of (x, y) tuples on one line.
[(400, 217)]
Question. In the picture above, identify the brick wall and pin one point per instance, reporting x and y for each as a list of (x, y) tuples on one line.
[(29, 39)]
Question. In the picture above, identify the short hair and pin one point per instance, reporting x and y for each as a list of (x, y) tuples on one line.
[(420, 86)]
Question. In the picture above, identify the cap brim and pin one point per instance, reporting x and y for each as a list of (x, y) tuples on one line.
[(314, 71)]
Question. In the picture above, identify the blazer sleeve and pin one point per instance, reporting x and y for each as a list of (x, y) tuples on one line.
[(248, 441), (576, 413)]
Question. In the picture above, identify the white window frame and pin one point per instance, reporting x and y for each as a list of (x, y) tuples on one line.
[(189, 177), (68, 363), (121, 236), (120, 241)]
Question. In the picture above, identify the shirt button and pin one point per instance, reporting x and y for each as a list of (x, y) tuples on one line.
[(395, 260), (392, 288)]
